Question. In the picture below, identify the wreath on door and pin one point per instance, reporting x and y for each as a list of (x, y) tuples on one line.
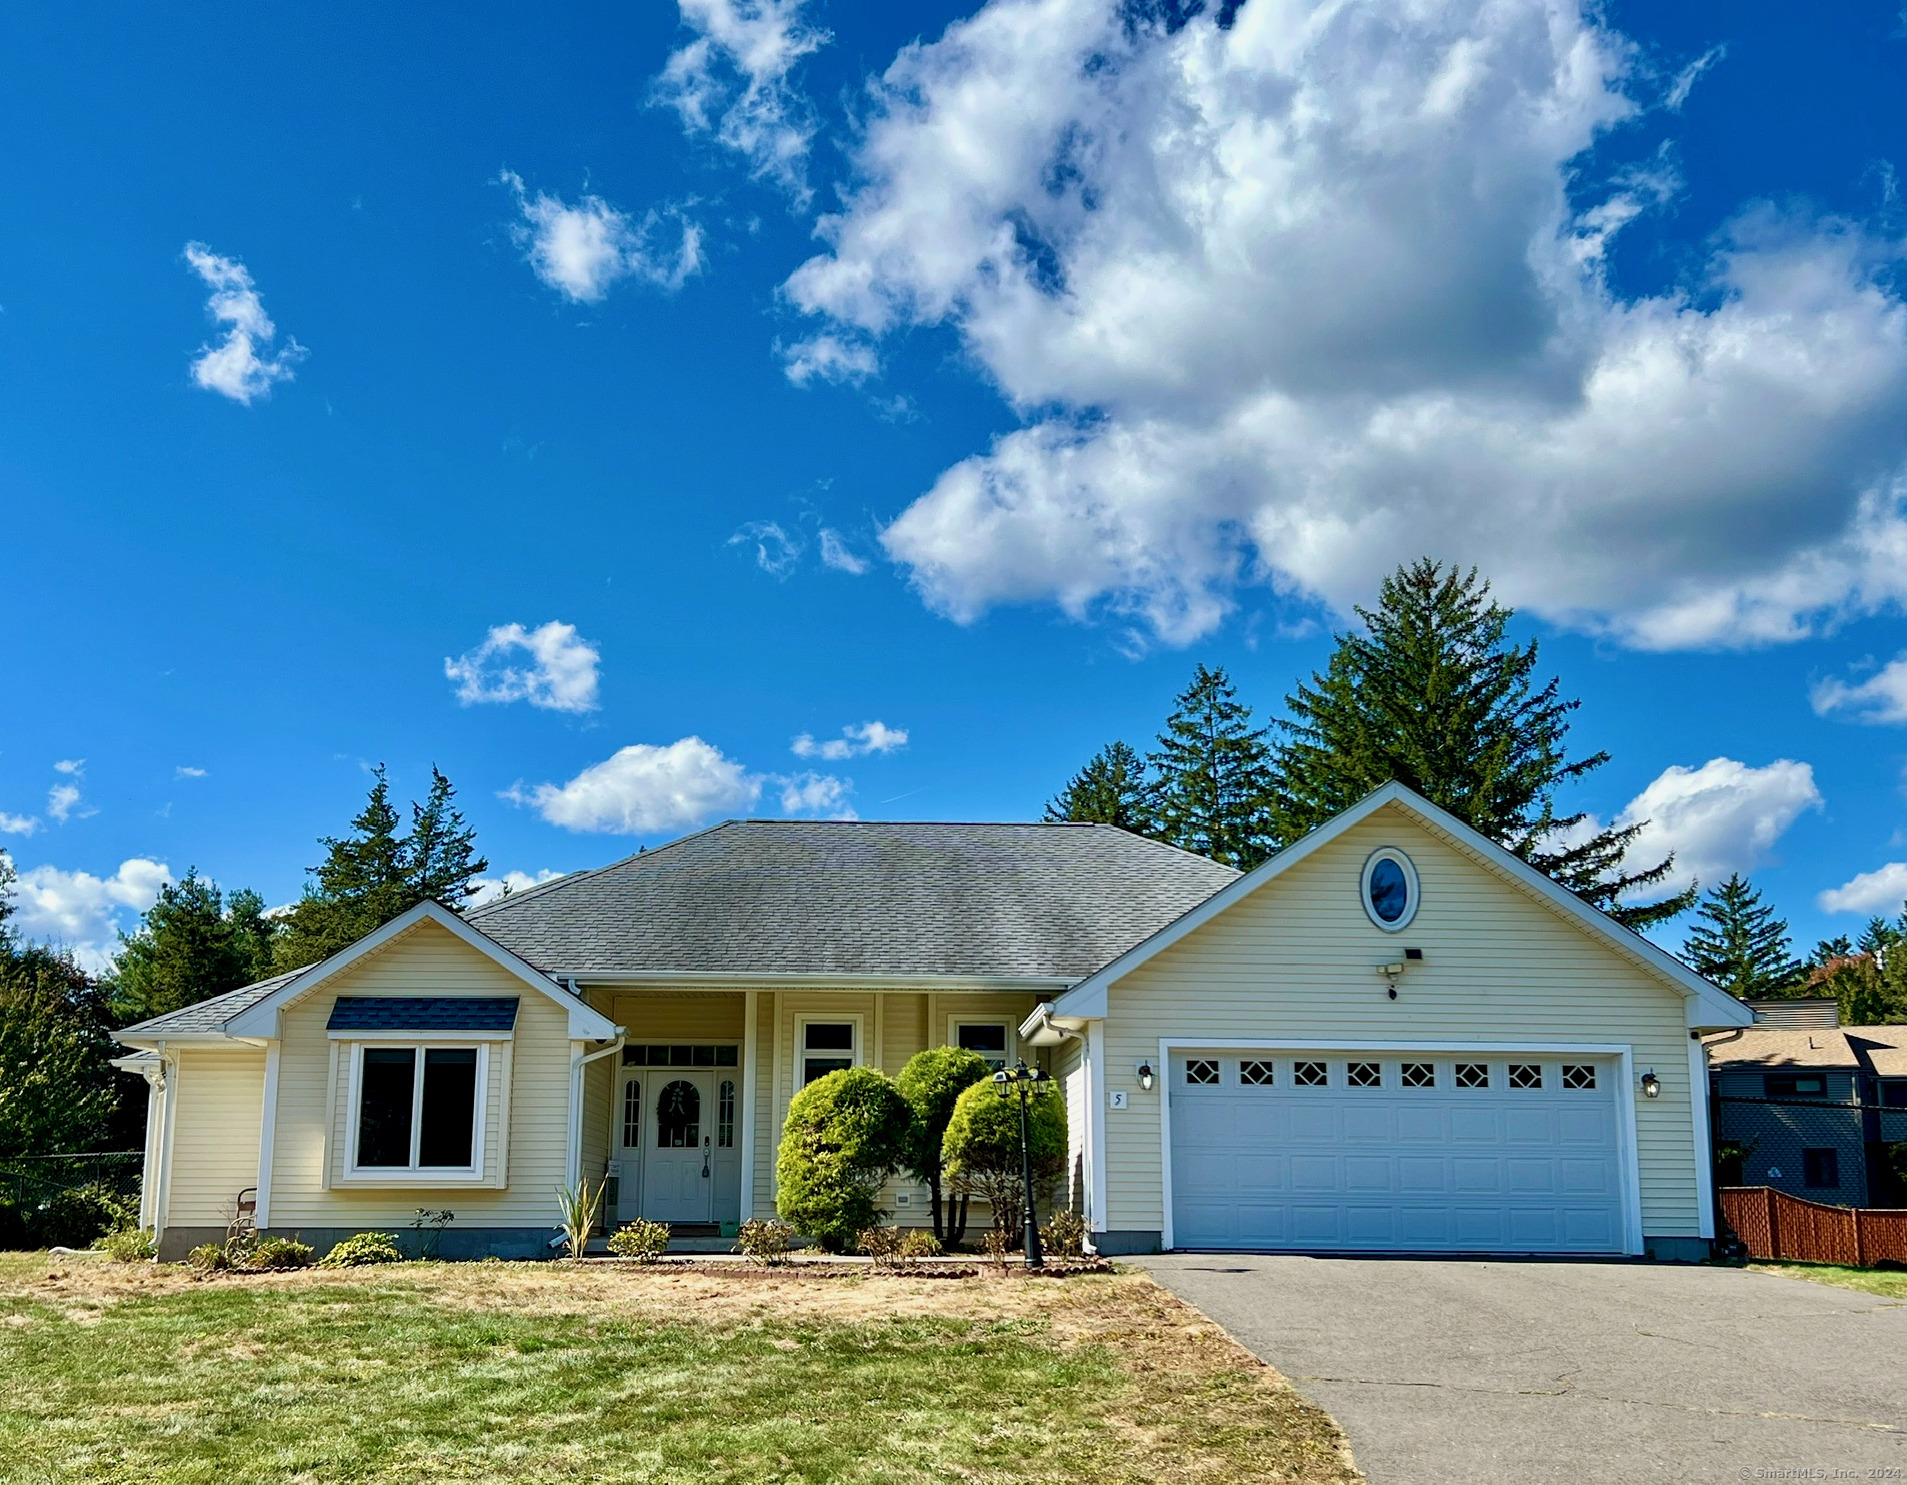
[(678, 1111)]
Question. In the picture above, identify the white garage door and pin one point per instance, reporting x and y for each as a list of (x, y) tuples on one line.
[(1395, 1151)]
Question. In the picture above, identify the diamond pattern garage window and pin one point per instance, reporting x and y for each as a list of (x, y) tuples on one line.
[(1256, 1074), (1526, 1075), (1201, 1072), (1473, 1075), (1364, 1074), (1420, 1075), (1579, 1075), (1309, 1074)]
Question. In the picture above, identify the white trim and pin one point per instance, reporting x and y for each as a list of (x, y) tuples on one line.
[(857, 1056), (1704, 1137), (162, 1217), (878, 1057), (667, 979), (1413, 888), (1706, 1006), (751, 1034), (262, 1019), (267, 1137), (573, 1144), (355, 1175), (774, 1090), (1009, 1024), (1628, 1155), (1096, 1122)]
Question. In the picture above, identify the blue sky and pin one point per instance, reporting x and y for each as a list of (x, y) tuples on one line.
[(807, 378)]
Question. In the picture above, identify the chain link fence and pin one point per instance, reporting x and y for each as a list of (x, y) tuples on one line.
[(31, 1181)]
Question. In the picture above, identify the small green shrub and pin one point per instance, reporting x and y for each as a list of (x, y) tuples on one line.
[(845, 1134), (981, 1150), (882, 1244), (642, 1240), (80, 1216), (209, 1258), (280, 1252), (130, 1245), (918, 1242), (362, 1248), (765, 1241), (1065, 1235)]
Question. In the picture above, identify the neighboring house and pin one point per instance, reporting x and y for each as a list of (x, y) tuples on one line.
[(1393, 1036), (1812, 1109)]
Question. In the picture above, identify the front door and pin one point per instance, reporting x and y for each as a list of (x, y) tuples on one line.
[(678, 1160)]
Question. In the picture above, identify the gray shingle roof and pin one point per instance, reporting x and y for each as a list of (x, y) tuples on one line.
[(422, 1013), (770, 897), (210, 1015)]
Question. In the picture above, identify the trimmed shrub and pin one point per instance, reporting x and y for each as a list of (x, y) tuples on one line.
[(882, 1244), (279, 1252), (981, 1150), (642, 1240), (844, 1137), (932, 1083), (765, 1241), (80, 1216), (1065, 1235), (130, 1245), (362, 1248), (918, 1242)]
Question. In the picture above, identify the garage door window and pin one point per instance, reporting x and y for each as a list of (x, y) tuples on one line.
[(1308, 1074), (1364, 1074), (1579, 1076), (1256, 1074), (1473, 1075), (1420, 1075), (1526, 1075), (1201, 1071)]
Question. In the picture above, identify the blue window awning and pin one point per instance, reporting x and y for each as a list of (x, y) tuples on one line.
[(423, 1013)]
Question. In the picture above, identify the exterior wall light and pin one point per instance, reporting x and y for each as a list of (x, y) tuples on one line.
[(1651, 1084), (1146, 1075)]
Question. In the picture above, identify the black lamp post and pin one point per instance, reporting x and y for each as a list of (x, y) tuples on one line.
[(1021, 1079)]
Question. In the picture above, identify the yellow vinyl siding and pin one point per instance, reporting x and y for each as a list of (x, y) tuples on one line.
[(526, 1115), (218, 1094), (1297, 958)]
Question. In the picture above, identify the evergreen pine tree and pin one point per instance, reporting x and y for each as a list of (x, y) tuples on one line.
[(1739, 943), (1210, 775), (1109, 790), (373, 874), (191, 945), (1435, 696), (439, 855)]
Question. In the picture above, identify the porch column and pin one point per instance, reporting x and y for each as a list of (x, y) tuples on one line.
[(750, 1083)]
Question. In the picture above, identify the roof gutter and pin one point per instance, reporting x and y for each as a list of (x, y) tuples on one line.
[(663, 979), (1044, 1029)]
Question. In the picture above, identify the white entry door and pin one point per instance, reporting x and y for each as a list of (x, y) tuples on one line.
[(678, 1165), (1370, 1151)]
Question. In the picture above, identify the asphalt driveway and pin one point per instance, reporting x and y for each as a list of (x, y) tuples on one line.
[(1444, 1371)]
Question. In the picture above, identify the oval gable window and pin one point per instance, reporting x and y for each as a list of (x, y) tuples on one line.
[(1390, 889)]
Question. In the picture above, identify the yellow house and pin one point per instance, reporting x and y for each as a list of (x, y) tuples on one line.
[(1393, 1036)]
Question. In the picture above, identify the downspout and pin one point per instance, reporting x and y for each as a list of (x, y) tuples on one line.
[(577, 1062), (1714, 1097)]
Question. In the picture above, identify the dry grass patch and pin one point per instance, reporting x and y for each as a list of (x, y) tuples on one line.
[(538, 1372)]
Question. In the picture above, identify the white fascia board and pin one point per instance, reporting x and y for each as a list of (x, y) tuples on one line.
[(1706, 1005), (1044, 1029), (664, 979), (262, 1019), (208, 1040)]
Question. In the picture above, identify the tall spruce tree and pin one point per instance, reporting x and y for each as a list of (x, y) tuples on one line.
[(1435, 696), (372, 875), (192, 944), (1211, 777), (1110, 790), (1739, 943)]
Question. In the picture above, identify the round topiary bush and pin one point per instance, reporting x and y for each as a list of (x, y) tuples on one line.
[(846, 1133), (932, 1083), (362, 1248), (981, 1150)]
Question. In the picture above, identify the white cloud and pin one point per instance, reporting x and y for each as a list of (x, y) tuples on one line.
[(817, 794), (646, 789), (561, 675), (1685, 80), (1292, 302), (855, 741), (733, 81), (836, 553), (776, 549), (242, 366), (489, 889), (1882, 697), (74, 767), (187, 771), (18, 824), (1720, 818), (582, 251), (63, 800), (1881, 891), (829, 358), (83, 912)]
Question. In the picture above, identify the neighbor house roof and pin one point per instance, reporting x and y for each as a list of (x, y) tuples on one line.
[(1880, 1049), (852, 899)]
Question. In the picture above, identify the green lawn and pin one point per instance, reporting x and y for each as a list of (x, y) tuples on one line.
[(542, 1372), (1888, 1283)]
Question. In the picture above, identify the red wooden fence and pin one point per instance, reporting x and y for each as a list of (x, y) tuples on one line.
[(1775, 1225)]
